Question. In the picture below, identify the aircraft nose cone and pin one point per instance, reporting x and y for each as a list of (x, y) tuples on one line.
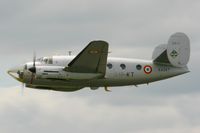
[(17, 73), (14, 69)]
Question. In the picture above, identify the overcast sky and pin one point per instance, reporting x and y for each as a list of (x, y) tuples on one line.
[(133, 29)]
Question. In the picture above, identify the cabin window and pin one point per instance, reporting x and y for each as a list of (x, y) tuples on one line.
[(123, 66), (138, 67), (109, 65)]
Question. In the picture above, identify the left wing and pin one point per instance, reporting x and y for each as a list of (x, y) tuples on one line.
[(92, 59)]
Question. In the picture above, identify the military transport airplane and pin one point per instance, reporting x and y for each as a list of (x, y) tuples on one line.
[(92, 68)]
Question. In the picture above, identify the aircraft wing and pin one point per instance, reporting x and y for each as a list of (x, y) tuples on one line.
[(92, 59)]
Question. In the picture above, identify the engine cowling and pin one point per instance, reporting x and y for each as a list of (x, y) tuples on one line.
[(58, 72)]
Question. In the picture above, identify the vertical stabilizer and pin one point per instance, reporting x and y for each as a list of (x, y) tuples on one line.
[(178, 49), (175, 53)]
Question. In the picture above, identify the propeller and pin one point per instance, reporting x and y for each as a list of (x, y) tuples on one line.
[(21, 76), (22, 89), (33, 68)]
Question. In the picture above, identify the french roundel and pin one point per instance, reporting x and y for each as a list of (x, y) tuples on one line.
[(147, 69)]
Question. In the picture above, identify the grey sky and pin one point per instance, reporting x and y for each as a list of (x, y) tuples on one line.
[(133, 29)]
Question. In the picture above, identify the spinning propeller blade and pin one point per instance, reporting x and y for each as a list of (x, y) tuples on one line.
[(33, 68)]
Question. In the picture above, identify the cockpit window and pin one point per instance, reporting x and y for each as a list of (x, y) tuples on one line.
[(46, 60), (39, 59), (25, 67), (50, 60)]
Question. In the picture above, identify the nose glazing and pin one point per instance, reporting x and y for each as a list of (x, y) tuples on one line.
[(17, 73)]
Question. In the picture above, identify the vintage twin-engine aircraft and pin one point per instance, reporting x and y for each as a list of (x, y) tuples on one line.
[(92, 68)]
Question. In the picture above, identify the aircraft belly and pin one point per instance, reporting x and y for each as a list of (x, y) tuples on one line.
[(55, 88), (82, 83), (57, 85), (111, 82)]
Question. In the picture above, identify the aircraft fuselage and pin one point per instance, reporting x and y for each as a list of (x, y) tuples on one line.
[(119, 72)]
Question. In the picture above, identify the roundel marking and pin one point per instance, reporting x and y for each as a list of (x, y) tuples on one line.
[(147, 69)]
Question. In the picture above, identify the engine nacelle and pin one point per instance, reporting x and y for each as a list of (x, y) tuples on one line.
[(58, 72)]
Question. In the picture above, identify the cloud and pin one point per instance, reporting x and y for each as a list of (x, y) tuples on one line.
[(48, 25), (64, 23), (44, 111)]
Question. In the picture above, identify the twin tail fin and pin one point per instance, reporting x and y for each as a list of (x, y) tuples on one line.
[(175, 53)]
